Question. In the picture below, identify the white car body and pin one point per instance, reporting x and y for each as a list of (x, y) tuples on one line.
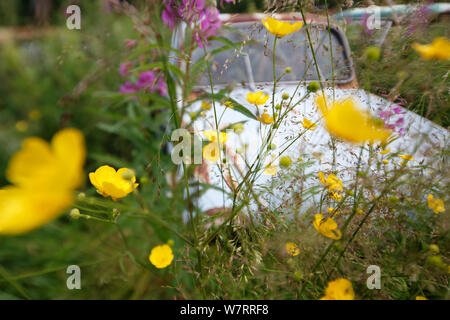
[(421, 138)]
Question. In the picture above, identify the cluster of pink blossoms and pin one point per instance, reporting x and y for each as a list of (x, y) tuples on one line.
[(204, 18), (147, 81)]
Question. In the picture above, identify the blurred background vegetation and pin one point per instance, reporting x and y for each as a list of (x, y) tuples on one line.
[(49, 77)]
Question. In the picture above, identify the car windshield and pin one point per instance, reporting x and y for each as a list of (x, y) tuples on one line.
[(252, 62)]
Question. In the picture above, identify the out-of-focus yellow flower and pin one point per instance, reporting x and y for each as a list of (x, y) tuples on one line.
[(421, 298), (266, 118), (49, 167), (333, 211), (280, 28), (270, 169), (327, 227), (211, 151), (335, 196), (343, 119), (206, 105), (406, 157), (25, 209), (307, 124), (257, 98), (385, 161), (21, 126), (332, 182), (339, 289), (285, 161), (211, 135), (34, 115), (360, 211), (437, 205), (292, 249), (229, 104), (111, 183), (161, 256), (44, 177), (439, 49), (385, 151)]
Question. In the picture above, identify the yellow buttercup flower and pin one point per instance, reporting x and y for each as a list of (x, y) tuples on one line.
[(257, 98), (437, 205), (161, 256), (421, 298), (44, 176), (206, 105), (344, 120), (111, 183), (385, 151), (280, 28), (307, 124), (439, 49), (228, 104), (339, 289), (211, 151), (266, 118), (270, 169), (211, 135), (292, 249), (406, 157), (327, 227), (335, 196), (332, 182)]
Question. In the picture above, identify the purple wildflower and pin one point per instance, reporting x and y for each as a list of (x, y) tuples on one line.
[(162, 87), (146, 80), (128, 87), (124, 67), (169, 15)]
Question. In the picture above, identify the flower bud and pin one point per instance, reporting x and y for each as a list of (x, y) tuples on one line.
[(285, 161), (285, 96), (238, 128), (75, 214), (313, 86), (372, 53), (81, 196), (193, 115), (288, 70), (128, 175)]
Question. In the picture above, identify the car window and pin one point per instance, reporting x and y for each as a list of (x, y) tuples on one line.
[(253, 60)]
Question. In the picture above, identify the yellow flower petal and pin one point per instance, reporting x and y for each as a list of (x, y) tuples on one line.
[(439, 49), (257, 98), (307, 124), (344, 120), (211, 152), (161, 256), (22, 209), (339, 289), (270, 169), (437, 205), (110, 183), (292, 249), (327, 227), (44, 177), (280, 28), (266, 119), (406, 157)]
